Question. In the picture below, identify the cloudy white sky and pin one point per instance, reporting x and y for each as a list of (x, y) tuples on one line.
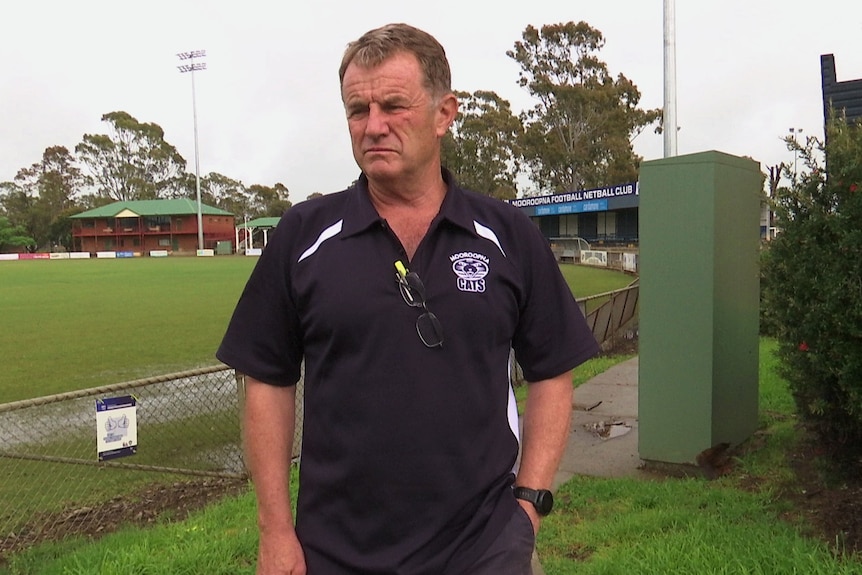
[(268, 104)]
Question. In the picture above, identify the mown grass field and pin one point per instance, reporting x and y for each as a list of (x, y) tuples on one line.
[(75, 324), (69, 325)]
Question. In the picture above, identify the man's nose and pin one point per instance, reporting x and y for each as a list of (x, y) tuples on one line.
[(378, 121)]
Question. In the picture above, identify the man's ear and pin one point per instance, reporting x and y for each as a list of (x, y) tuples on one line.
[(447, 110)]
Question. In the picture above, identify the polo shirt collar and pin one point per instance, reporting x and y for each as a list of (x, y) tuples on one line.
[(455, 208), (360, 214)]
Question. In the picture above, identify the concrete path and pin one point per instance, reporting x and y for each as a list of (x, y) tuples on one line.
[(603, 440)]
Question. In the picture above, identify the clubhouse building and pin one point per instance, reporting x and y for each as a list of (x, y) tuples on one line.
[(145, 226)]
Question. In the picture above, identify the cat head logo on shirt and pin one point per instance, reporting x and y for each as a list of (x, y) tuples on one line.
[(470, 269)]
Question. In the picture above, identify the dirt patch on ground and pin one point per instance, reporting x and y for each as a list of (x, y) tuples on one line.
[(829, 500), (172, 501)]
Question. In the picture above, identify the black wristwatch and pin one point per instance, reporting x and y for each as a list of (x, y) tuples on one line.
[(542, 499)]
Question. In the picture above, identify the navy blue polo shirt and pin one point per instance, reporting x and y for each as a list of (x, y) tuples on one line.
[(407, 450)]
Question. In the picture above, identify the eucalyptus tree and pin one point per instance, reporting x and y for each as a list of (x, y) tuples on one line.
[(133, 162), (43, 196), (579, 134), (481, 148), (269, 201), (228, 194)]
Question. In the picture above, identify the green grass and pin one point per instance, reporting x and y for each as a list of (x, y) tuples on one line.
[(601, 526), (623, 526), (75, 324), (586, 281), (735, 525), (219, 540)]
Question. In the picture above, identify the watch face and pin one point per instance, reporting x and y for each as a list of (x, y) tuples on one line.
[(544, 502), (542, 499)]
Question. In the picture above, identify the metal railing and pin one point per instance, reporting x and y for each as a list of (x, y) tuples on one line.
[(615, 317)]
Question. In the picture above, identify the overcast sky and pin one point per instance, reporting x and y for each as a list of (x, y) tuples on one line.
[(268, 104)]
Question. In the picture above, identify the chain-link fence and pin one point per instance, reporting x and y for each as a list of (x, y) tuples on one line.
[(52, 483)]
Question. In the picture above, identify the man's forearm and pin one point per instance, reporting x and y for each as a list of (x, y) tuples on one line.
[(547, 416), (268, 428)]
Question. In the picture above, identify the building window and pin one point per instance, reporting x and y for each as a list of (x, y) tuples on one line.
[(157, 223)]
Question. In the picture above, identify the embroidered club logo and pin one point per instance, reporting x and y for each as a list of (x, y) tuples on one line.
[(470, 269)]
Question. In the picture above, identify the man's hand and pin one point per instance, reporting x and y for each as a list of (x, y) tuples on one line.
[(535, 519), (280, 554)]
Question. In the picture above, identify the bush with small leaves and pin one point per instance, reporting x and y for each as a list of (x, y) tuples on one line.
[(813, 286)]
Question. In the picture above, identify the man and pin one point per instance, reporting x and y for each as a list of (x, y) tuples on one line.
[(403, 295)]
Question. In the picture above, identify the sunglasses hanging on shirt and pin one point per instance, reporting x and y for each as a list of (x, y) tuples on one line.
[(413, 291)]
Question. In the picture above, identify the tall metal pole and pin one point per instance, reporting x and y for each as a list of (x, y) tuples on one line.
[(670, 127), (192, 66)]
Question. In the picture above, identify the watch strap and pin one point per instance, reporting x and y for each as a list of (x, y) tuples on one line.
[(542, 499)]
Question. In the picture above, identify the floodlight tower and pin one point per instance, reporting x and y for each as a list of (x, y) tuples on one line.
[(192, 67)]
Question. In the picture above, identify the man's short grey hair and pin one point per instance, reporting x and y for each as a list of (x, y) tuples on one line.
[(375, 46)]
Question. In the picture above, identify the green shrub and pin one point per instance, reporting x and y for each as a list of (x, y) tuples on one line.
[(768, 322), (813, 286)]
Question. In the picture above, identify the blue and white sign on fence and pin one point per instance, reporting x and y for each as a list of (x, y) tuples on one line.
[(116, 427), (595, 200)]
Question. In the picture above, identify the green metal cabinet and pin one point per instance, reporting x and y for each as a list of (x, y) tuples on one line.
[(699, 313)]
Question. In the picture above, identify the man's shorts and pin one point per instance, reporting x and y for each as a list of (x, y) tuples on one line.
[(512, 552)]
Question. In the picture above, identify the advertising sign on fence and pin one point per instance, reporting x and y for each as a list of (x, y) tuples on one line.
[(630, 262), (116, 427), (594, 258)]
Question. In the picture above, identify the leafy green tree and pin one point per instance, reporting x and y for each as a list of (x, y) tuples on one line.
[(579, 134), (16, 203), (46, 197), (226, 193), (134, 162), (269, 201), (21, 206), (813, 273), (12, 237), (481, 148), (185, 186)]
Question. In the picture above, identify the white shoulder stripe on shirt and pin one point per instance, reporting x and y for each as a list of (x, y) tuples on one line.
[(326, 234), (488, 234)]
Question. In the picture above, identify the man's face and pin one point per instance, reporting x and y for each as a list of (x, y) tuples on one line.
[(394, 123)]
